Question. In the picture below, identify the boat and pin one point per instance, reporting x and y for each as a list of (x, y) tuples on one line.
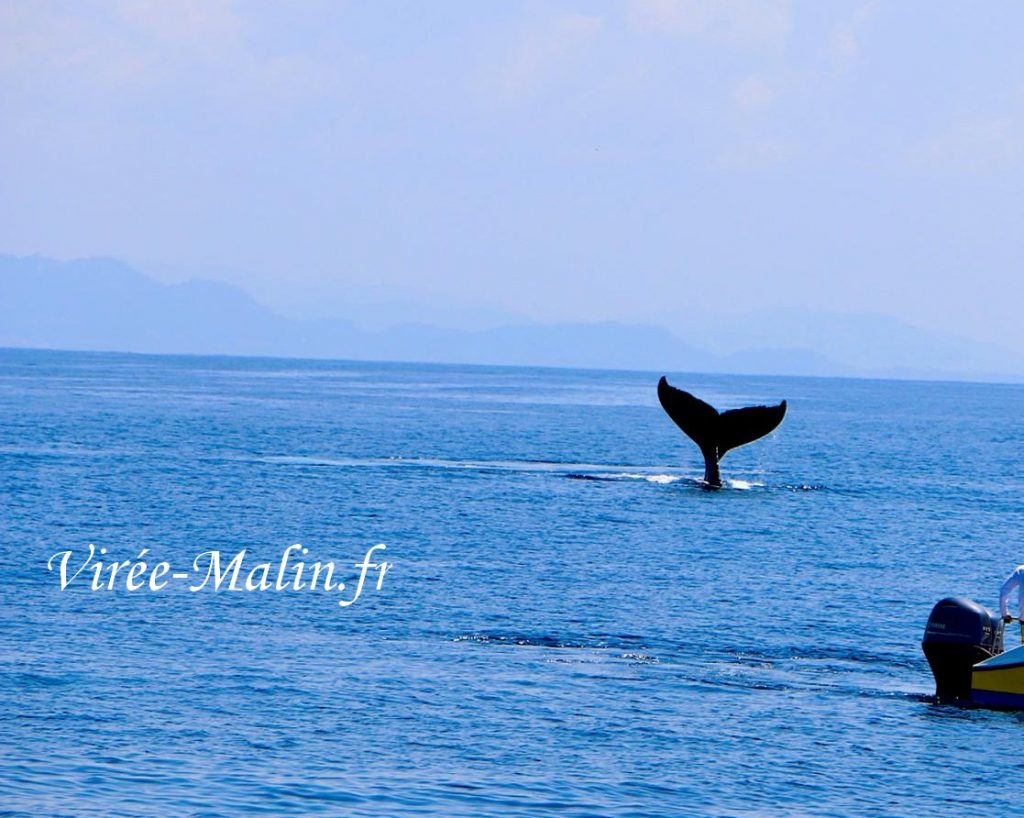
[(963, 642)]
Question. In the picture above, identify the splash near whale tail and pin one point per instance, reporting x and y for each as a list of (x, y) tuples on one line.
[(717, 432)]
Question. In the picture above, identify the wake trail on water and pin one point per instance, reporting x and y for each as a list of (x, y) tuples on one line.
[(595, 472), (839, 672)]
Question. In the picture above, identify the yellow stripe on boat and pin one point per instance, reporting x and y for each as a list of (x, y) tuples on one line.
[(999, 681)]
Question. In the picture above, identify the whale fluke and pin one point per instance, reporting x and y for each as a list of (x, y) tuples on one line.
[(717, 432)]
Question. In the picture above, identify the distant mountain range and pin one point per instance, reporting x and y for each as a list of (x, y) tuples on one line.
[(104, 304)]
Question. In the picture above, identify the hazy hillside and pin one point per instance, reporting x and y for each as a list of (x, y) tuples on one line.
[(103, 304), (874, 343)]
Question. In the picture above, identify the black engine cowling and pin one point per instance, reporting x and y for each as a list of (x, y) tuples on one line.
[(959, 634)]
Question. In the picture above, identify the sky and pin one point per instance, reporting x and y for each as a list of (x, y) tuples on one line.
[(559, 160)]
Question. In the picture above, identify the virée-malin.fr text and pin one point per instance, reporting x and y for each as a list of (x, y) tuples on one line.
[(211, 570)]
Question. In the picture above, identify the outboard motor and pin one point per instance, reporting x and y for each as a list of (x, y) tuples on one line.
[(959, 634)]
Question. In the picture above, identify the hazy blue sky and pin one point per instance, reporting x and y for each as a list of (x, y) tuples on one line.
[(563, 160)]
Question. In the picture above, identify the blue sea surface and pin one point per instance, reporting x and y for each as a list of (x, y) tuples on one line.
[(572, 625)]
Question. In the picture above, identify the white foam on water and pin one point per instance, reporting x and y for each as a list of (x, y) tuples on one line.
[(743, 485), (663, 479)]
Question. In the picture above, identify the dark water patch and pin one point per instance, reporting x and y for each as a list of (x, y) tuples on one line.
[(539, 641), (591, 642), (595, 477), (27, 680)]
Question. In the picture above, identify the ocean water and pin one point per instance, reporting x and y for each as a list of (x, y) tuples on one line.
[(571, 624)]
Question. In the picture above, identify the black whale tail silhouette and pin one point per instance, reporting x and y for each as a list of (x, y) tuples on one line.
[(717, 432)]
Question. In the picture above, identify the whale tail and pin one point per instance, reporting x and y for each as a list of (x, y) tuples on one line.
[(717, 432)]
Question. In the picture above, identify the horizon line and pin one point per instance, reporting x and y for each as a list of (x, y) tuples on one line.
[(1010, 380)]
